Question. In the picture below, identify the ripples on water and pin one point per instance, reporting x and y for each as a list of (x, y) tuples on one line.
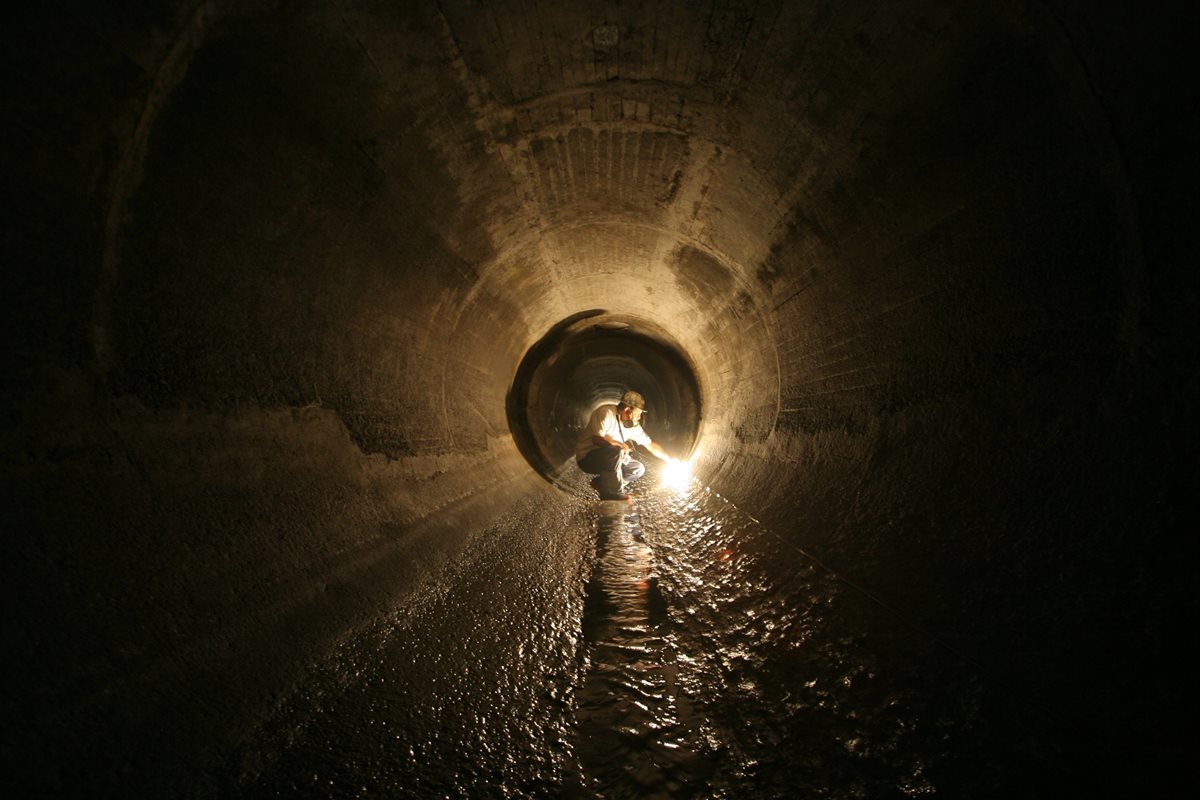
[(637, 733), (714, 660), (722, 662)]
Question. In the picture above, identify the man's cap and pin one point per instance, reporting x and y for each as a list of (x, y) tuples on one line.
[(634, 400)]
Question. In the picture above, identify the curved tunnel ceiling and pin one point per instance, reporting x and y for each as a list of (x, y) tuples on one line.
[(433, 160), (468, 178), (618, 186), (829, 217)]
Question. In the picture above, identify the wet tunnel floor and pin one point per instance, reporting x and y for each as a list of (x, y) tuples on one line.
[(669, 648), (723, 662)]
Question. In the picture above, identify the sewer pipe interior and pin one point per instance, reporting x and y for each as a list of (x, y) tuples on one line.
[(302, 303)]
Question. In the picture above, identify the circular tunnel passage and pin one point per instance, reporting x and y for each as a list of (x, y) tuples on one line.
[(591, 358), (911, 272)]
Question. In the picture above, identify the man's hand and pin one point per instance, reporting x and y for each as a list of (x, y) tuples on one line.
[(603, 440)]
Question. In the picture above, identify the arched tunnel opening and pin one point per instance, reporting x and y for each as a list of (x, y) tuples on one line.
[(305, 307), (591, 359)]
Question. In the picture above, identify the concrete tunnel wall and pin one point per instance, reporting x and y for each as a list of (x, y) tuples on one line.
[(270, 273)]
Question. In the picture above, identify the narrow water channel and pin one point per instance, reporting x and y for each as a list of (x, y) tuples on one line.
[(637, 734)]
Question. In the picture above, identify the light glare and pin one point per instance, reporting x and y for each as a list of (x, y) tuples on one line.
[(677, 474)]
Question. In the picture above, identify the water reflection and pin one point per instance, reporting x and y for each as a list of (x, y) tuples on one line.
[(724, 663), (636, 734), (714, 660)]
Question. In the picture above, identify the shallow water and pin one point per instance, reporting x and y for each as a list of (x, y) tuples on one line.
[(669, 648), (723, 662)]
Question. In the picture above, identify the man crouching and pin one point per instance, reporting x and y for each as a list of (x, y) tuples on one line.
[(606, 443)]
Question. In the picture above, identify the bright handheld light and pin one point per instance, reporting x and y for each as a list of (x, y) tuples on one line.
[(677, 474)]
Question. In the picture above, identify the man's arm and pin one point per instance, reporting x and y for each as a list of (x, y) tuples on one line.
[(653, 447)]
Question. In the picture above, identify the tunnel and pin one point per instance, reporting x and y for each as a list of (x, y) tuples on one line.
[(307, 304)]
